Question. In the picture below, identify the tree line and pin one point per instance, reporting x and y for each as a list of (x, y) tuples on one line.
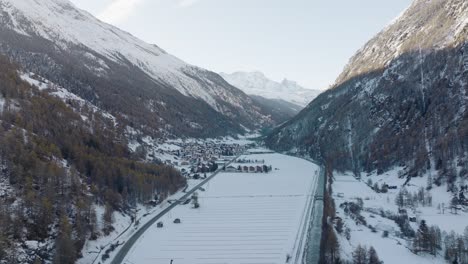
[(60, 165)]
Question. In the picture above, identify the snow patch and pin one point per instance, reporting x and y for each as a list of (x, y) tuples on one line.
[(256, 83), (62, 23), (393, 249)]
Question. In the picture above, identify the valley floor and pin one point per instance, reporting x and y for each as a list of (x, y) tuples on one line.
[(243, 218)]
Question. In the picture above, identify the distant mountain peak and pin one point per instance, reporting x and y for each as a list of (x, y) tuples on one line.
[(257, 73), (426, 25), (385, 109), (113, 68), (289, 83), (256, 83)]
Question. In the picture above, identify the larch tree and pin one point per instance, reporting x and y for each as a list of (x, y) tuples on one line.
[(360, 255), (65, 252), (373, 257)]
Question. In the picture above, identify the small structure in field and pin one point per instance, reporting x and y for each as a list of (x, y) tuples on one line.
[(259, 169), (231, 169), (160, 224), (177, 221)]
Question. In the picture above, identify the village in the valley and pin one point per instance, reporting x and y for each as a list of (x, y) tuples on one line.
[(196, 159)]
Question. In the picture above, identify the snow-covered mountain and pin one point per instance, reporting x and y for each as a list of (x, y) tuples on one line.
[(113, 69), (401, 100), (256, 83)]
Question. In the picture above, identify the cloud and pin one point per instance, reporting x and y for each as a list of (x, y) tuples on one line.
[(187, 3), (119, 10)]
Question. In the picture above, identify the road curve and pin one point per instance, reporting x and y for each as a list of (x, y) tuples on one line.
[(123, 251)]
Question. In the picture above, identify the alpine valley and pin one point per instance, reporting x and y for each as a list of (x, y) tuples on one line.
[(114, 151)]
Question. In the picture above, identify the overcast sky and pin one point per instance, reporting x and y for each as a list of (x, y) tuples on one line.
[(308, 41)]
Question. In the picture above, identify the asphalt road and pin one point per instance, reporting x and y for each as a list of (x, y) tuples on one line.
[(123, 251)]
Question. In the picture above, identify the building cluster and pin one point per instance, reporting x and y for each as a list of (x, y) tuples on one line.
[(195, 159), (249, 168), (250, 161)]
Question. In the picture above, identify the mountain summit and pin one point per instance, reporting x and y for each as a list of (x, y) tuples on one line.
[(137, 81), (400, 102), (256, 83)]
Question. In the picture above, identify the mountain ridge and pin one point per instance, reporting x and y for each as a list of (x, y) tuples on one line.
[(122, 74), (386, 111), (256, 83)]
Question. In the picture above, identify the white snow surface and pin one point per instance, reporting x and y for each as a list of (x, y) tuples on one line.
[(243, 218), (392, 249), (5, 187), (408, 32), (256, 83), (124, 227), (2, 103), (67, 26), (61, 93)]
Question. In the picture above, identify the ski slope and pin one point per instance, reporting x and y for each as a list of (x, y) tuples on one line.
[(243, 218)]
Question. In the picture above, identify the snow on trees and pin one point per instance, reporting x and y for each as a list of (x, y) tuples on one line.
[(360, 255), (373, 258)]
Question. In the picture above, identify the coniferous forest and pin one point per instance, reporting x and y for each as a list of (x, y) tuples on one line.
[(59, 162)]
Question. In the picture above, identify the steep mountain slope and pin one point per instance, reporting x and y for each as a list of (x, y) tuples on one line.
[(58, 160), (401, 100), (256, 83), (281, 109), (140, 83)]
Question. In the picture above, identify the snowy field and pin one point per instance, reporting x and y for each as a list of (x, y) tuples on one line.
[(243, 218), (124, 227), (392, 249)]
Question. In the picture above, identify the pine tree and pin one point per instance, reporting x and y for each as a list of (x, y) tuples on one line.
[(451, 247), (465, 236), (454, 203), (347, 233), (360, 255), (384, 188), (400, 199), (339, 226), (462, 197), (65, 250), (435, 239), (429, 182), (376, 187), (3, 246), (422, 240), (332, 245), (107, 219), (461, 252), (373, 257)]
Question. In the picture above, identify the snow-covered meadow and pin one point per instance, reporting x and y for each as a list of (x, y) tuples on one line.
[(243, 218), (394, 248), (124, 228)]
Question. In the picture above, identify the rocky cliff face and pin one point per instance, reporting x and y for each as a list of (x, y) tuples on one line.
[(401, 101)]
